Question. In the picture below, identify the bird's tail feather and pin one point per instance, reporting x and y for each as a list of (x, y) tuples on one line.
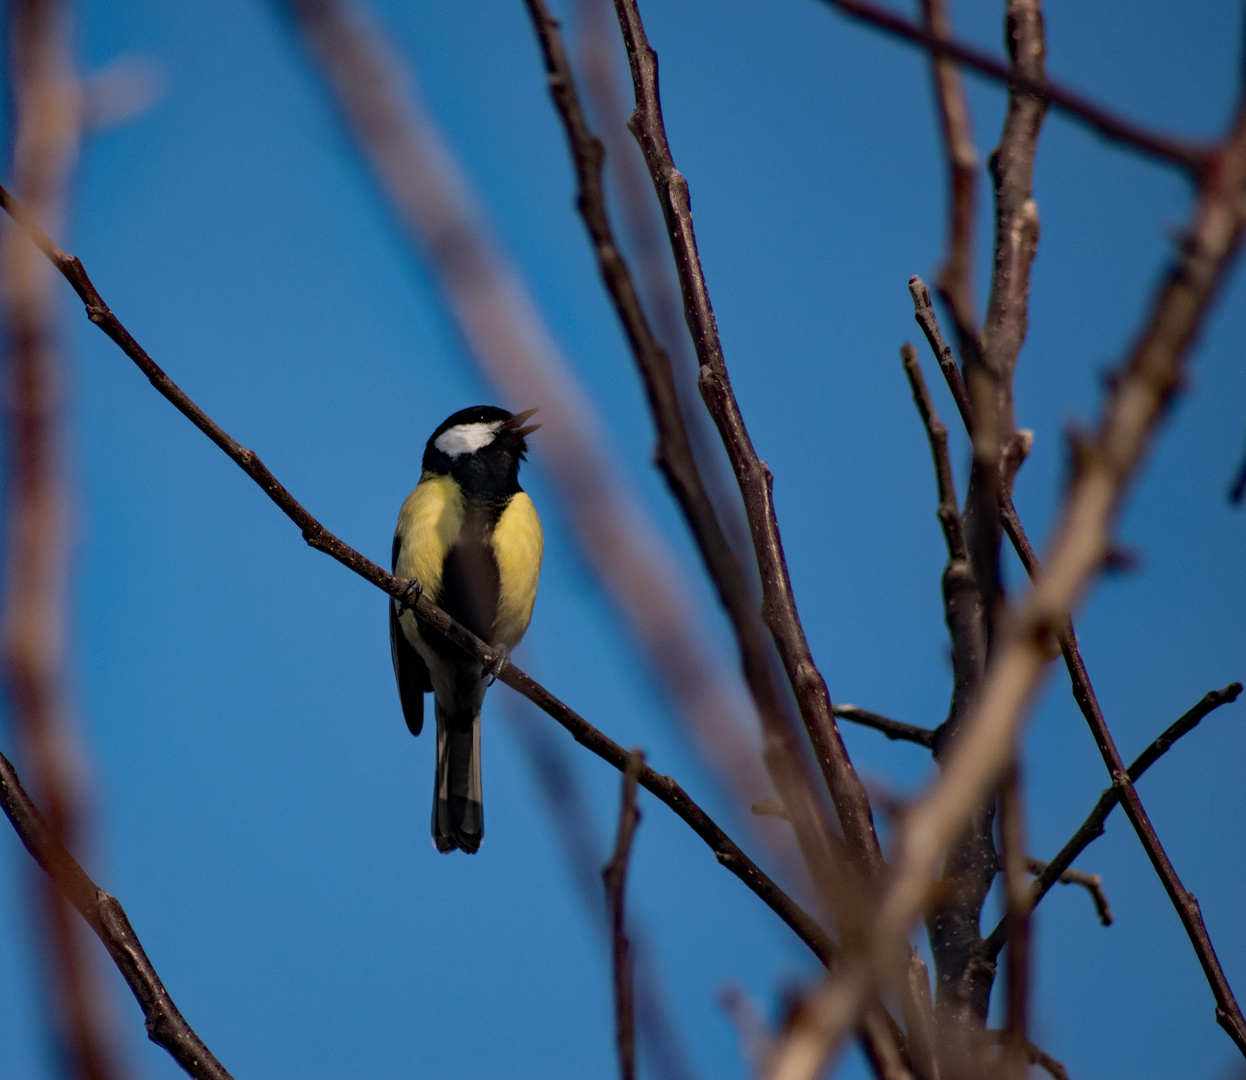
[(458, 814)]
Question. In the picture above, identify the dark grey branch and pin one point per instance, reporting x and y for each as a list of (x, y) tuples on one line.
[(615, 878), (1188, 156), (893, 729), (166, 1026), (1092, 828), (317, 536)]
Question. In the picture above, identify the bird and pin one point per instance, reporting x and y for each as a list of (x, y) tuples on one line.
[(471, 538)]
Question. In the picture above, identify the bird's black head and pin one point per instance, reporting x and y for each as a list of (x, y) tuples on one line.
[(481, 448)]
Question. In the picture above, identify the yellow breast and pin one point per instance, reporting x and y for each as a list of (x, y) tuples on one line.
[(518, 545), (428, 524)]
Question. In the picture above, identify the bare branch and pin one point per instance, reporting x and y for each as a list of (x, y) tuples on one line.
[(1092, 828), (317, 536), (674, 456), (166, 1026), (955, 280), (571, 815), (1092, 883), (376, 96), (753, 477), (1189, 156), (615, 878), (924, 313), (1188, 291), (893, 729), (1137, 402)]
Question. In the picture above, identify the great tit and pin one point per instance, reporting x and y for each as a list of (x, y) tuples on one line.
[(472, 538)]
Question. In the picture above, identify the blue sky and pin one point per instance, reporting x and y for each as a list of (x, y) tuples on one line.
[(259, 807)]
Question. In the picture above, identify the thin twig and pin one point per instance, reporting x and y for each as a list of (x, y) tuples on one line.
[(1188, 290), (615, 878), (1139, 394), (674, 456), (375, 93), (1187, 155), (166, 1026), (753, 477), (571, 815), (1092, 828), (892, 729), (1092, 883), (955, 280), (317, 536)]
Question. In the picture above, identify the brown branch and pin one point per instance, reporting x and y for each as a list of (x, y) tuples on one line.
[(1237, 489), (1189, 289), (1092, 883), (615, 878), (924, 313), (1016, 220), (1189, 156), (375, 94), (963, 987), (674, 456), (1139, 394), (317, 536), (753, 477), (166, 1026), (892, 729), (1092, 828), (45, 137), (955, 279)]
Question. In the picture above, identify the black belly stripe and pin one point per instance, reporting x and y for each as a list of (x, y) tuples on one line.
[(470, 581)]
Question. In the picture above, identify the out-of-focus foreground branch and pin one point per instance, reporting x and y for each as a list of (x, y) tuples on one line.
[(1108, 461), (45, 98)]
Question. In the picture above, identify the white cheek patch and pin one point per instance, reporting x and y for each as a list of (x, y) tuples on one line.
[(466, 438)]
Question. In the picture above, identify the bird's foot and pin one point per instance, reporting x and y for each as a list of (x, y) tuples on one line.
[(498, 659), (410, 596)]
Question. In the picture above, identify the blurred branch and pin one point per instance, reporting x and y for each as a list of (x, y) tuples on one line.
[(317, 536), (45, 133), (1138, 398), (1187, 293), (614, 877), (166, 1026), (573, 824), (1092, 828), (893, 729), (1189, 156), (375, 94), (677, 464), (955, 280), (753, 477)]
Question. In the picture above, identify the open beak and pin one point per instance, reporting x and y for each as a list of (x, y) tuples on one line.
[(515, 423)]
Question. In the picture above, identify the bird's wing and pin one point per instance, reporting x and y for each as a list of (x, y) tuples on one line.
[(410, 671)]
